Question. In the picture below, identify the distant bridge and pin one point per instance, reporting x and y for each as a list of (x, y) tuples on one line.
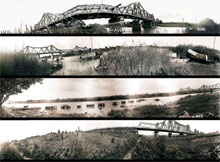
[(214, 86), (52, 50), (170, 126), (117, 13)]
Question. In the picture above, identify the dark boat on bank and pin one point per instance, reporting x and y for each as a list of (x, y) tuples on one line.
[(198, 57), (91, 56)]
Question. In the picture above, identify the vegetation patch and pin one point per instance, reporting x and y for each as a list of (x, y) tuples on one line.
[(141, 60), (20, 64), (200, 103), (176, 148)]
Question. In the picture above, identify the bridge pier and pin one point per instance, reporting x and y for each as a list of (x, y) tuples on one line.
[(156, 133), (136, 26), (181, 134), (148, 24), (169, 134)]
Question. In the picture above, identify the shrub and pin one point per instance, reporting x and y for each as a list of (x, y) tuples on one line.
[(20, 64), (9, 153), (117, 114)]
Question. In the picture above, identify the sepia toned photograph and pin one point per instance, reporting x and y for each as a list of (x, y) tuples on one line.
[(109, 98), (110, 56), (109, 17), (110, 140)]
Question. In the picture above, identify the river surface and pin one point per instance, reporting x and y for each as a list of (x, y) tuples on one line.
[(74, 66), (157, 30), (94, 108)]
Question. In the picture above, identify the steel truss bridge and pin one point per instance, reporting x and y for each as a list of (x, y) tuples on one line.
[(214, 86), (37, 51), (170, 126), (117, 13)]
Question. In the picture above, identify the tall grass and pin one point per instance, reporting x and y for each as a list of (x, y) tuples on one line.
[(20, 64), (141, 60)]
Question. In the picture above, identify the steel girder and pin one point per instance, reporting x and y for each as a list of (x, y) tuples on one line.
[(215, 86), (41, 50), (169, 125), (133, 11)]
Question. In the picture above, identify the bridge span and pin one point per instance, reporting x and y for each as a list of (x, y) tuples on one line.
[(37, 51), (134, 11), (170, 126)]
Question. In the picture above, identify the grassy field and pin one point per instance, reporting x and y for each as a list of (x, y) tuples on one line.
[(200, 103), (111, 146), (202, 147), (70, 146), (192, 104), (141, 60), (147, 60), (146, 111), (19, 64)]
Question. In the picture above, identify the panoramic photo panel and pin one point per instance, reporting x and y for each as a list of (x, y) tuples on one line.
[(110, 140), (118, 56), (109, 98), (109, 17)]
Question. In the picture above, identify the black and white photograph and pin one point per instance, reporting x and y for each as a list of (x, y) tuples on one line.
[(110, 98), (109, 17), (101, 80), (110, 56), (110, 140)]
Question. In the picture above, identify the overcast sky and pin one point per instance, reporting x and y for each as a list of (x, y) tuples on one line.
[(54, 88), (18, 43), (15, 12), (18, 129)]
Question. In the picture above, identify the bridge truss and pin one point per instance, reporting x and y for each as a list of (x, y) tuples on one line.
[(52, 50), (82, 12), (170, 126), (214, 86)]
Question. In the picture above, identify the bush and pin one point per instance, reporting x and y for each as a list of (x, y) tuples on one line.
[(175, 148), (117, 114), (200, 103), (9, 153), (152, 111), (20, 64)]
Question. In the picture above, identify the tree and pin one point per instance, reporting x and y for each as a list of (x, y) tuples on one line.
[(12, 86)]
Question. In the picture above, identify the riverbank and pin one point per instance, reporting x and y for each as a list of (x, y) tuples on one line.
[(155, 107)]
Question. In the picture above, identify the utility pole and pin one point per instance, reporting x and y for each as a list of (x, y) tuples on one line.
[(214, 43)]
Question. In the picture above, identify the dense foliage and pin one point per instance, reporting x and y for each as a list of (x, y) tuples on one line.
[(200, 103), (7, 152), (20, 64), (11, 86), (176, 148)]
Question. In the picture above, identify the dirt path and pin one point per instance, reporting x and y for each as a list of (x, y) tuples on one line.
[(128, 156)]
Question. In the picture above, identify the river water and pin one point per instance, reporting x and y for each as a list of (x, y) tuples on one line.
[(93, 108), (157, 30), (74, 66)]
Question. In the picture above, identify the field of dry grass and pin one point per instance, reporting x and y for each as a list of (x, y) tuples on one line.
[(73, 145), (141, 60)]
